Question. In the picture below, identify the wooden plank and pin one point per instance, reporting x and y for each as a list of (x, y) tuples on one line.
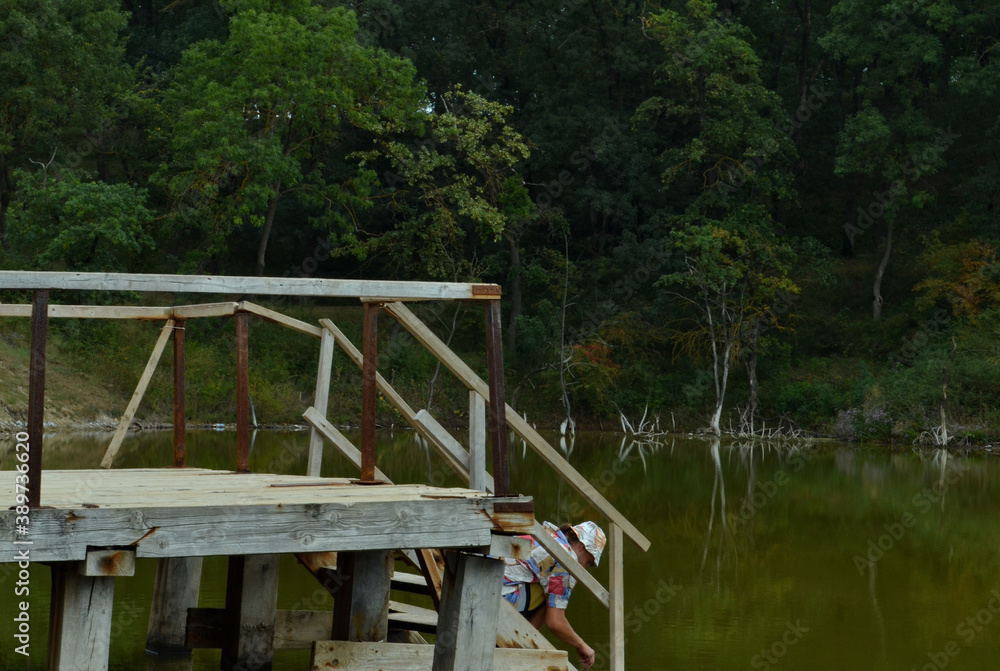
[(467, 376), (107, 563), (359, 524), (243, 392), (616, 588), (569, 562), (279, 318), (361, 604), (175, 590), (477, 442), (401, 657), (320, 400), (80, 621), (251, 604), (226, 309), (140, 389), (90, 311), (180, 395), (36, 395), (299, 629), (467, 620), (271, 286), (339, 440)]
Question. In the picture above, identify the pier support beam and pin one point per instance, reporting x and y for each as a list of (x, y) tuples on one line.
[(251, 606), (470, 608), (175, 590), (80, 620), (477, 442), (361, 604)]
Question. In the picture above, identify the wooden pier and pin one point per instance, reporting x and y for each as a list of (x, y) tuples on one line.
[(90, 526)]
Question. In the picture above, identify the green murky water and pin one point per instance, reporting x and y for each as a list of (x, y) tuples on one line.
[(831, 557)]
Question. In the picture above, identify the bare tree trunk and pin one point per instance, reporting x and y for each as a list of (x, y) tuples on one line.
[(944, 394), (751, 364), (266, 232), (563, 359), (877, 288)]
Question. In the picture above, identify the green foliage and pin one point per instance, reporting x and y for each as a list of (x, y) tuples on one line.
[(73, 224)]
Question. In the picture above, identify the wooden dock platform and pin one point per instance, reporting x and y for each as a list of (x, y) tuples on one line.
[(197, 512)]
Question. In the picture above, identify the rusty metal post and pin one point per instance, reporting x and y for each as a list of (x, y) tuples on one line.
[(498, 401), (180, 423), (36, 394), (242, 393), (369, 392)]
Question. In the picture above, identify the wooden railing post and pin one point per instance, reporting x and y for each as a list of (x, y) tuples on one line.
[(242, 393), (323, 372), (477, 441), (498, 404), (616, 592), (369, 391), (36, 394), (180, 423)]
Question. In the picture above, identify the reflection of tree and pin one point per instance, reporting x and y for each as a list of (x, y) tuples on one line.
[(883, 660), (718, 487)]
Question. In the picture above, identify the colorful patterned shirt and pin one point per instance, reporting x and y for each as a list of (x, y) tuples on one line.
[(540, 567)]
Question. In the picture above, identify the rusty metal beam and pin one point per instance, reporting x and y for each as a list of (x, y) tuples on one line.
[(180, 423), (36, 394), (369, 391), (242, 393), (498, 404)]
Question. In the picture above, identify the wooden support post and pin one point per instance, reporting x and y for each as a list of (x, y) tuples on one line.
[(251, 604), (36, 395), (369, 392), (470, 608), (477, 441), (180, 423), (498, 405), (361, 605), (320, 402), (80, 620), (616, 588), (175, 590), (140, 390), (242, 393)]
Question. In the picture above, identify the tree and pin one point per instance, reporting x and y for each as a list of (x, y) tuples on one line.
[(72, 223), (733, 170), (60, 71), (453, 187), (269, 113)]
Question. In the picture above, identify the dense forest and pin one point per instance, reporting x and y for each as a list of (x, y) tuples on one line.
[(732, 214)]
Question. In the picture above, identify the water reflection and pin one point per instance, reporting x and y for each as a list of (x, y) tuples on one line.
[(754, 535)]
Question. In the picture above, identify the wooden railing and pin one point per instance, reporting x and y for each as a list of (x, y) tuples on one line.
[(469, 464)]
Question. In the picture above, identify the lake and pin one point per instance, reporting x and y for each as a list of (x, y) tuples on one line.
[(821, 557)]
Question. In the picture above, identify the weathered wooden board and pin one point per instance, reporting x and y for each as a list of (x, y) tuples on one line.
[(175, 590), (273, 286), (315, 461), (279, 318), (616, 585), (176, 512), (347, 656), (80, 621), (107, 563), (90, 311), (205, 310)]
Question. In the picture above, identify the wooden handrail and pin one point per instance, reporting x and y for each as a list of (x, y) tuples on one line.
[(467, 376)]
